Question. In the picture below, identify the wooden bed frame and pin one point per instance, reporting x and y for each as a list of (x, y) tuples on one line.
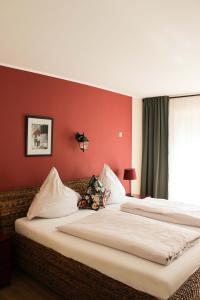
[(65, 276)]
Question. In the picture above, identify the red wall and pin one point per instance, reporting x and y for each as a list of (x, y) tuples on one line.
[(75, 107)]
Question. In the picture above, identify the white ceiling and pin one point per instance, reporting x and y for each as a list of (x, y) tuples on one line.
[(137, 47)]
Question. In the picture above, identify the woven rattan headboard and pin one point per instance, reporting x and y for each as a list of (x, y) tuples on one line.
[(15, 204)]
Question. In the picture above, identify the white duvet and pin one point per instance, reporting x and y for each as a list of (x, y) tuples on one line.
[(147, 238), (164, 210)]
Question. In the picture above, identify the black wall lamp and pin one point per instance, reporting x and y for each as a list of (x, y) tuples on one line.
[(82, 140)]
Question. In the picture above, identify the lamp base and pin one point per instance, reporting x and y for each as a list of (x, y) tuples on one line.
[(130, 187)]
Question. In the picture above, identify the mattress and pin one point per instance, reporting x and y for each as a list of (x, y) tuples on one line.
[(152, 278)]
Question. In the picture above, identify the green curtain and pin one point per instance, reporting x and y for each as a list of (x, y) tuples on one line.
[(154, 177)]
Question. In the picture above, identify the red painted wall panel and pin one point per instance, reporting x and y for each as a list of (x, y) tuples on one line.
[(75, 107)]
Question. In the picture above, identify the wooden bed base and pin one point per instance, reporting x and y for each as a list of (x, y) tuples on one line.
[(65, 276), (73, 280), (69, 278)]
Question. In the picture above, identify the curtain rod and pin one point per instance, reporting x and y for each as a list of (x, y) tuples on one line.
[(172, 97)]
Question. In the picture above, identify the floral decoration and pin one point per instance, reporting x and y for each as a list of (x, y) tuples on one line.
[(96, 195)]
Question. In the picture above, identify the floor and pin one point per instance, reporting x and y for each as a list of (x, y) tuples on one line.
[(23, 287)]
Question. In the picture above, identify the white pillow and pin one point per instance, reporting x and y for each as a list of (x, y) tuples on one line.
[(111, 182), (54, 199)]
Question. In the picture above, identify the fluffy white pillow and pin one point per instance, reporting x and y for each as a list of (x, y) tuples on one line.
[(111, 182), (54, 199)]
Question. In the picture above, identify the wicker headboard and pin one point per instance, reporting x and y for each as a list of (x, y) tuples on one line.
[(15, 204)]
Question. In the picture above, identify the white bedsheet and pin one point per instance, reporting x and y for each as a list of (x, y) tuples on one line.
[(164, 210), (134, 234), (149, 277)]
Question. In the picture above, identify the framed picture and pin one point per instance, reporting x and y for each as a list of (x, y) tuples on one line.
[(39, 136)]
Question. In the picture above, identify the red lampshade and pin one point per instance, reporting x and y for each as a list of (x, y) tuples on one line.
[(130, 174)]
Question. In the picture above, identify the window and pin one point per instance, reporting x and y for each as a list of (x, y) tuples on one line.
[(184, 149)]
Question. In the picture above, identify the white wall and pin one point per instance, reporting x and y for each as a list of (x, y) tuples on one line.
[(136, 143)]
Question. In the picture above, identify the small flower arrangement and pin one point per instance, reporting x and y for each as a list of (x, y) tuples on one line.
[(96, 195)]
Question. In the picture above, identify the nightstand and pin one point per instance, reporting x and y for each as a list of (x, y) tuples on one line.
[(134, 196), (5, 259)]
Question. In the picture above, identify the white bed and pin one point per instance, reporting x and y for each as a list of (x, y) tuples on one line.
[(152, 278)]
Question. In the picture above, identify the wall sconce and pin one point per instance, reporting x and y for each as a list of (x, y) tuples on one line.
[(82, 140)]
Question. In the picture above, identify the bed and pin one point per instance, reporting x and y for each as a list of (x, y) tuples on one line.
[(80, 269)]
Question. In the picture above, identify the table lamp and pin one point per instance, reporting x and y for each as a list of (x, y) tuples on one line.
[(130, 174)]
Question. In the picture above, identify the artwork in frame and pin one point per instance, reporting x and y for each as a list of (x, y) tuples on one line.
[(39, 136)]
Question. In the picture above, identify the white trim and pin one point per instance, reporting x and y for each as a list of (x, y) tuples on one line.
[(63, 78), (136, 144)]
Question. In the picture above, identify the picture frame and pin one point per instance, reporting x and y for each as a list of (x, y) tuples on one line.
[(38, 136)]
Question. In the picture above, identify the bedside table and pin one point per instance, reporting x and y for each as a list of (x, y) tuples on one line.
[(5, 259), (134, 196)]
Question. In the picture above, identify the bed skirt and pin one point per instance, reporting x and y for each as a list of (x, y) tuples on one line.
[(73, 280)]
